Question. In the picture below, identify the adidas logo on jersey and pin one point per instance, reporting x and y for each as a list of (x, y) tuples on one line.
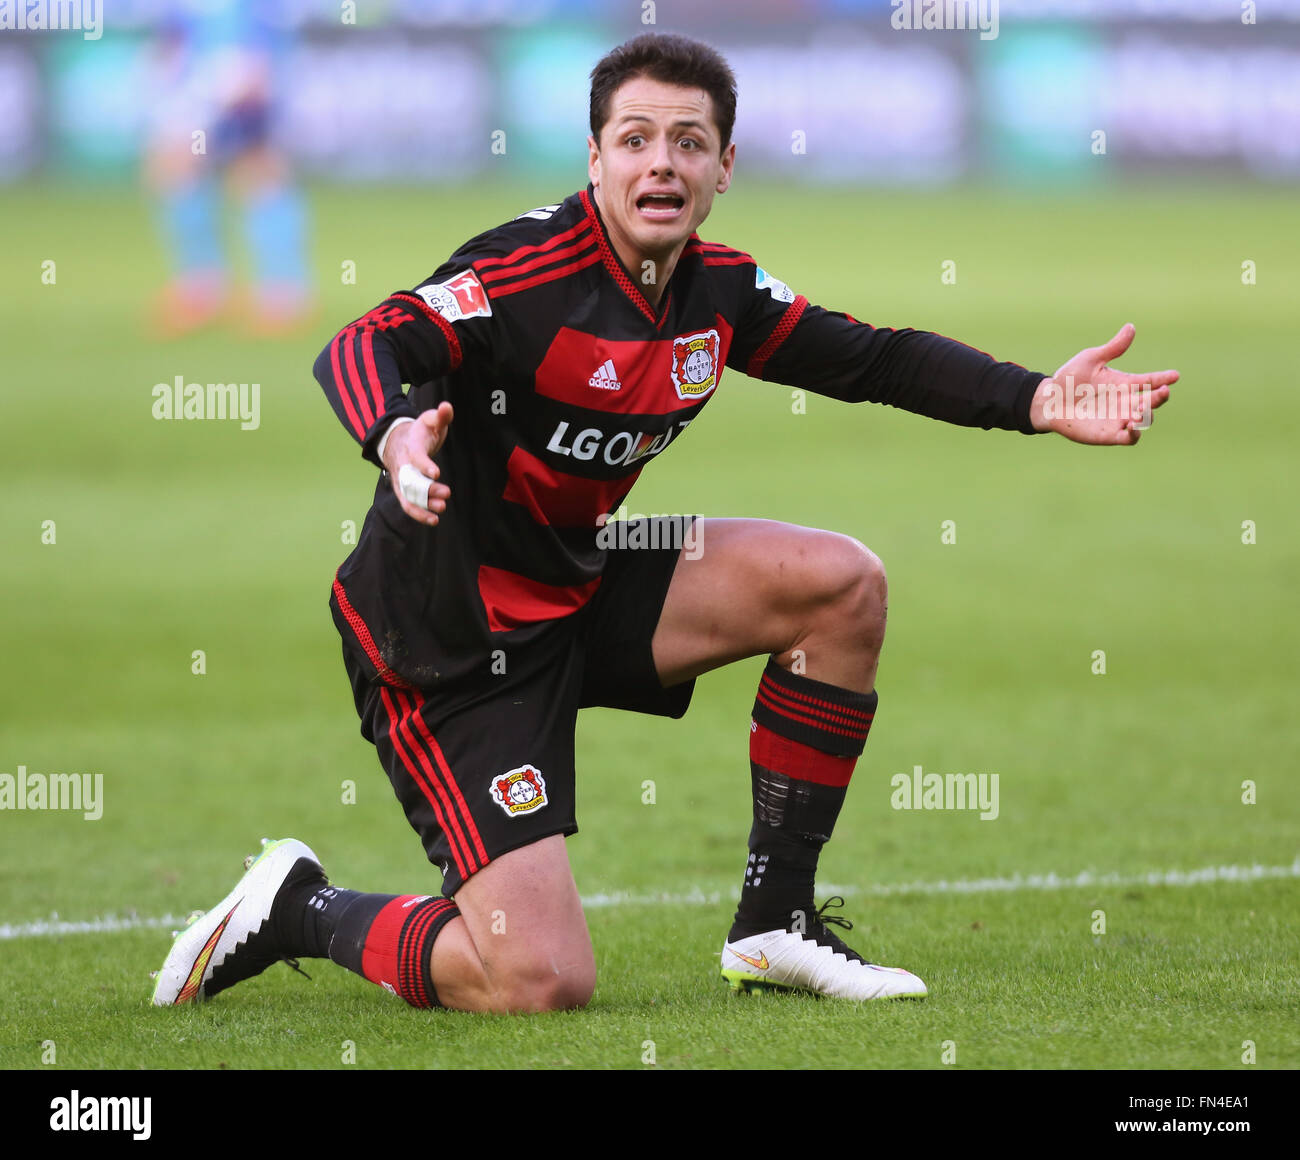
[(605, 377)]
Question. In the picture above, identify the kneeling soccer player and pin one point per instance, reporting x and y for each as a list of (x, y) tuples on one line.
[(572, 346)]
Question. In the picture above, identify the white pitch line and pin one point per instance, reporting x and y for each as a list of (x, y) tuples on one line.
[(111, 924), (1085, 878)]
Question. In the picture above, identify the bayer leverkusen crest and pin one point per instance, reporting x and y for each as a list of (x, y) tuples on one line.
[(695, 364), (521, 791)]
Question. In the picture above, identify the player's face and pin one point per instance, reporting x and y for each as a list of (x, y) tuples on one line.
[(657, 168)]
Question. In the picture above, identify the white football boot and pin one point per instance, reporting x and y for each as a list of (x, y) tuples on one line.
[(230, 943), (816, 961)]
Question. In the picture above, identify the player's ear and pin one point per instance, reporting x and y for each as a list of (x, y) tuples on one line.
[(593, 160), (728, 163)]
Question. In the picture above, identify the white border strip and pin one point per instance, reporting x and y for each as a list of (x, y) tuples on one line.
[(111, 924)]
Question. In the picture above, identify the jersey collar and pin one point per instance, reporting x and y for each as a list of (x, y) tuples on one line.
[(615, 268)]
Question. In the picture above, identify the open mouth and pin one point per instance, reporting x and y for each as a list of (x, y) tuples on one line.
[(663, 205)]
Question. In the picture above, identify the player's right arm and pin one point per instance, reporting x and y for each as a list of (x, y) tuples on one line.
[(410, 337)]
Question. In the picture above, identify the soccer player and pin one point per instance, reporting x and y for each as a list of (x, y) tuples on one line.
[(551, 359), (218, 66)]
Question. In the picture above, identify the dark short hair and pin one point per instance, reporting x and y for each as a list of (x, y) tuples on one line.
[(672, 60)]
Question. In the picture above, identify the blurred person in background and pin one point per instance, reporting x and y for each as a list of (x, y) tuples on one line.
[(216, 83)]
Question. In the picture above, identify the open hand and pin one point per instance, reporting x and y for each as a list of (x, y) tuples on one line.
[(1090, 402)]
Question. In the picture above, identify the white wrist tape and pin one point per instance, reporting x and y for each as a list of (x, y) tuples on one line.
[(383, 439), (414, 485)]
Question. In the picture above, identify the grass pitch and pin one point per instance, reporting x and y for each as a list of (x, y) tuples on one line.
[(1159, 793)]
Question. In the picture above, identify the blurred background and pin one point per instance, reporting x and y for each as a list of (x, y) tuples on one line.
[(207, 192), (410, 90)]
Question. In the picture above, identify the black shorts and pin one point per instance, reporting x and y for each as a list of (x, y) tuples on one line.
[(489, 767)]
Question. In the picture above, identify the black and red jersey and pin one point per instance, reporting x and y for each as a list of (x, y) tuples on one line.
[(566, 383)]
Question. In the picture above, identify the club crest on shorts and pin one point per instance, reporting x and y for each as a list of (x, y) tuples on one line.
[(695, 364), (521, 791)]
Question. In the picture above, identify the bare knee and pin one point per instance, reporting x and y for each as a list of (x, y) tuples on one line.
[(544, 987), (864, 598), (839, 589)]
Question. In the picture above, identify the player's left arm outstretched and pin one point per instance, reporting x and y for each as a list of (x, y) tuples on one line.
[(1088, 401), (782, 337)]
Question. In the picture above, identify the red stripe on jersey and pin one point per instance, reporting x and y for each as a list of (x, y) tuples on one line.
[(512, 601), (545, 259), (782, 331), (358, 428), (788, 703), (354, 395), (354, 378), (712, 250), (643, 372), (367, 642), (547, 275), (796, 760), (424, 776), (453, 343), (372, 375), (560, 500), (616, 271), (764, 697), (727, 260), (524, 251), (449, 781)]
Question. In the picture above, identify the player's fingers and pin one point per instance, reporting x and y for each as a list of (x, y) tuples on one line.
[(438, 418), (1157, 398), (421, 498), (1119, 344), (439, 415), (420, 515), (1151, 379), (426, 466), (413, 486), (1129, 433)]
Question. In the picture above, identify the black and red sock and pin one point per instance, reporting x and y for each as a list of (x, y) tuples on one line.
[(385, 938), (805, 738)]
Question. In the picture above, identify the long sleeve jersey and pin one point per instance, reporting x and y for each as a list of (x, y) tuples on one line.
[(566, 382)]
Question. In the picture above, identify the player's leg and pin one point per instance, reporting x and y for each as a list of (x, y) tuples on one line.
[(521, 943), (815, 602), (515, 938), (485, 776), (275, 221)]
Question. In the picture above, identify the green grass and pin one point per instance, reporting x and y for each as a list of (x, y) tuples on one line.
[(184, 536)]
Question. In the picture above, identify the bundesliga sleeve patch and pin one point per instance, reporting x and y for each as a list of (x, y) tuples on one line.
[(521, 791), (774, 286), (461, 296)]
